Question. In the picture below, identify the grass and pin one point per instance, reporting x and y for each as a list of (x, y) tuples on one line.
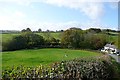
[(42, 56), (56, 35), (7, 37)]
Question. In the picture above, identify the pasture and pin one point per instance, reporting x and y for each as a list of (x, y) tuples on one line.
[(42, 56), (7, 37), (57, 35)]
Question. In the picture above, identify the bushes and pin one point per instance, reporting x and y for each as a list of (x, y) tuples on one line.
[(23, 41), (16, 43), (85, 69), (28, 40), (52, 43), (92, 41), (71, 38), (88, 69), (74, 38), (33, 40)]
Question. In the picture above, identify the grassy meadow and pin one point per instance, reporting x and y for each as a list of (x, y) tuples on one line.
[(42, 56)]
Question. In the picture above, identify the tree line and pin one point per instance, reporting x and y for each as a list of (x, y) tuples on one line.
[(93, 30), (74, 38)]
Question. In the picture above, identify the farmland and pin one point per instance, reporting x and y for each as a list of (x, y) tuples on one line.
[(37, 56), (57, 35), (7, 37), (42, 56)]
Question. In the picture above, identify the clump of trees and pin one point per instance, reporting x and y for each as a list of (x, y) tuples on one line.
[(75, 38), (26, 40), (71, 38), (26, 30), (94, 30), (50, 41)]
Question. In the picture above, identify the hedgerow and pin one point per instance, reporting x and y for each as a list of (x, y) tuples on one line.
[(82, 69)]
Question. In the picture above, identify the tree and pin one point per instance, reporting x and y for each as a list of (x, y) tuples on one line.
[(98, 41), (18, 42), (61, 30), (74, 38), (23, 30), (75, 28), (96, 30), (23, 41), (71, 38), (39, 30), (28, 30), (33, 40), (92, 41)]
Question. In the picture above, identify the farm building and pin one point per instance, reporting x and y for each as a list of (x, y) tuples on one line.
[(110, 48)]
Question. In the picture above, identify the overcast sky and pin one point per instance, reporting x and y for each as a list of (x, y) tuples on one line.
[(58, 14)]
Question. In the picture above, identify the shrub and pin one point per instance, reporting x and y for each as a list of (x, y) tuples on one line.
[(18, 42), (71, 38), (23, 41), (74, 38), (33, 40), (52, 43)]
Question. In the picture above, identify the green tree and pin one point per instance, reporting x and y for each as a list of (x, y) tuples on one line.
[(23, 41), (72, 38), (28, 30), (94, 30), (39, 30), (33, 40), (23, 30), (18, 42), (92, 41)]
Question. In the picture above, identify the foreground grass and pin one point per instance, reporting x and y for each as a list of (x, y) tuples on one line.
[(83, 69), (42, 56)]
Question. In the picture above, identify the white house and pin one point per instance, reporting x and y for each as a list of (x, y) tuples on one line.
[(110, 48)]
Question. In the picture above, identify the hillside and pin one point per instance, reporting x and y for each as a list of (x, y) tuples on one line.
[(113, 37)]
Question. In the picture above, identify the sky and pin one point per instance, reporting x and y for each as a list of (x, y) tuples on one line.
[(58, 14)]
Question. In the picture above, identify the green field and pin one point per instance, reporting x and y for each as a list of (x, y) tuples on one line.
[(42, 56), (7, 37), (56, 35)]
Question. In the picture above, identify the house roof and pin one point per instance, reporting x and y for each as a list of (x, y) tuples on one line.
[(110, 46)]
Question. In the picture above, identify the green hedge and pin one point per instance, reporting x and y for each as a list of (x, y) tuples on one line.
[(84, 69)]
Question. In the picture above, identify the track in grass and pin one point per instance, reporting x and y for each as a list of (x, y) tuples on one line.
[(36, 57)]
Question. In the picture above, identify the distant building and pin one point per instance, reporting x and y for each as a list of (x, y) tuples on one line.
[(110, 48)]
